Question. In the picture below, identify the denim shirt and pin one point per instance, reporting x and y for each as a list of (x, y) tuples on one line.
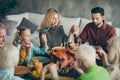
[(8, 74)]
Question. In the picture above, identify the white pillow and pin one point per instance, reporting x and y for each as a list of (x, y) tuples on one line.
[(68, 22), (36, 18), (10, 38), (17, 17), (35, 38), (9, 25), (83, 23), (117, 31)]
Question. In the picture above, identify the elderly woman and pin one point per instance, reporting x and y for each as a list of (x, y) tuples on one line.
[(9, 57), (2, 35), (112, 61)]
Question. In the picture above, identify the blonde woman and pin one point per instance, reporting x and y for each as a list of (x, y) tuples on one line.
[(9, 57), (2, 35), (112, 62), (51, 29)]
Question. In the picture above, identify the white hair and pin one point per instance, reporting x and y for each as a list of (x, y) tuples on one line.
[(9, 56), (86, 53), (2, 26)]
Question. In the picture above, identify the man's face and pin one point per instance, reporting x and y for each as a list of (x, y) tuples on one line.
[(97, 18), (2, 37)]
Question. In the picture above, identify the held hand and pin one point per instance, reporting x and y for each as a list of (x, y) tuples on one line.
[(44, 38), (103, 55), (52, 68), (74, 30), (74, 65), (100, 51), (27, 44)]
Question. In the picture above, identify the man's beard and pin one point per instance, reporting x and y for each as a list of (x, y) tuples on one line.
[(97, 24)]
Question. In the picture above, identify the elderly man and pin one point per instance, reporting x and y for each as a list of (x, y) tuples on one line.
[(86, 66), (2, 35)]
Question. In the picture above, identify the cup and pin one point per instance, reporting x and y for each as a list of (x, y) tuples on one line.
[(35, 60), (29, 64), (38, 67)]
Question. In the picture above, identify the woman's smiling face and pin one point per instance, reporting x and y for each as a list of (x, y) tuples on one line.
[(54, 20)]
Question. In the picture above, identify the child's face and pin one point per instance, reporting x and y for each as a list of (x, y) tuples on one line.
[(26, 35), (54, 20)]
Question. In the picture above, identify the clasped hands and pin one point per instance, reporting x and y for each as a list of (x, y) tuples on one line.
[(74, 30)]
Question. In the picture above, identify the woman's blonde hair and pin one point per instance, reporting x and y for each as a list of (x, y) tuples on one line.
[(114, 57), (9, 56), (2, 26), (46, 23), (86, 53), (114, 49)]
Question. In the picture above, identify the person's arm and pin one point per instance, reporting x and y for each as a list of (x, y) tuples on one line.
[(102, 53), (75, 67), (52, 68), (73, 31), (43, 40), (37, 50)]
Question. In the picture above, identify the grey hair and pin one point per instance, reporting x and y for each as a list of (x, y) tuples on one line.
[(86, 53), (2, 26), (9, 56)]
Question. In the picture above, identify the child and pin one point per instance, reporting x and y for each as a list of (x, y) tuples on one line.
[(27, 49), (53, 30)]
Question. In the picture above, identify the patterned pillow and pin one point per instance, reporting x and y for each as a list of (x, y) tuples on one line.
[(26, 23)]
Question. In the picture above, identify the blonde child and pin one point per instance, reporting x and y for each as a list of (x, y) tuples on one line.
[(23, 41)]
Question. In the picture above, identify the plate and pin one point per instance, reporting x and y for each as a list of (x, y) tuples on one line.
[(43, 59), (21, 70), (58, 48)]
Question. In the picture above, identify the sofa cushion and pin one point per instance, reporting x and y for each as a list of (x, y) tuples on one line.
[(35, 38), (117, 31), (83, 22), (68, 22), (36, 18), (10, 26), (26, 23), (17, 17), (10, 38)]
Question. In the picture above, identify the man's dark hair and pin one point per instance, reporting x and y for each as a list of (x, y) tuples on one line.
[(98, 10)]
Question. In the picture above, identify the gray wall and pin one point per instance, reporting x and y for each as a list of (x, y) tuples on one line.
[(72, 8)]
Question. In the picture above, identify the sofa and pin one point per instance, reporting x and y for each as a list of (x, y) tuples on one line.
[(14, 20)]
